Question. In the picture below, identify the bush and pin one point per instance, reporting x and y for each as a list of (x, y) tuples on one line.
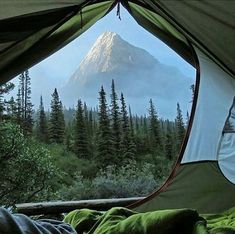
[(126, 181), (162, 167), (26, 169), (69, 164), (80, 189)]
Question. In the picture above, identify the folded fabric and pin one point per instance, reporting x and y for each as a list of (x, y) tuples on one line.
[(223, 223), (121, 220), (21, 224)]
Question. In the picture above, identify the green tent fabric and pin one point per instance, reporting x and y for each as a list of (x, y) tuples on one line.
[(193, 186), (22, 45), (58, 23), (207, 24)]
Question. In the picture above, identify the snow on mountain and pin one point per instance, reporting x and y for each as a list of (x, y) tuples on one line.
[(111, 53), (137, 74)]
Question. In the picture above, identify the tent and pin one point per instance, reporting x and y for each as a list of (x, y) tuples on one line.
[(202, 32)]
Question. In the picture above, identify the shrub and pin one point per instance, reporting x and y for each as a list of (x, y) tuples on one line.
[(80, 189), (126, 181), (69, 164), (26, 169)]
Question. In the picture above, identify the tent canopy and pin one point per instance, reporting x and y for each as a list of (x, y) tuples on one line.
[(32, 30)]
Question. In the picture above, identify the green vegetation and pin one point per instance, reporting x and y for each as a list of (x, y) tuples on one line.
[(82, 153), (56, 121), (126, 181), (26, 168)]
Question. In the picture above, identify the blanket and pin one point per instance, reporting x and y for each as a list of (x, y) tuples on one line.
[(124, 221)]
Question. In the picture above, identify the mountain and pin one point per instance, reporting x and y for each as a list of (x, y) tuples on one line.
[(137, 74)]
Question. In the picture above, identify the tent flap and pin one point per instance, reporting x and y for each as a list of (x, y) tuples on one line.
[(40, 44)]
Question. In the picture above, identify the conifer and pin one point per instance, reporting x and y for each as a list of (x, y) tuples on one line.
[(56, 121), (105, 154), (127, 143), (169, 142), (24, 104), (180, 130), (81, 139), (42, 128), (115, 122), (155, 135)]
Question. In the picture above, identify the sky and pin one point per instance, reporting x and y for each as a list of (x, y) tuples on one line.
[(56, 70)]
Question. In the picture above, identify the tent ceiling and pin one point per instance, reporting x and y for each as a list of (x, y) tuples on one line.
[(210, 25), (32, 30), (14, 8)]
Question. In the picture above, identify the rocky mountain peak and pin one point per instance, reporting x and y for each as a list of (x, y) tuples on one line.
[(109, 53), (136, 73)]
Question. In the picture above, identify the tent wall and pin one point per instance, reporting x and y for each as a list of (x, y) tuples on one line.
[(207, 24), (216, 93), (16, 8), (162, 29), (199, 182), (198, 185), (24, 42)]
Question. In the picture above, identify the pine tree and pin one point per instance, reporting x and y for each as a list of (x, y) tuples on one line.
[(95, 121), (155, 135), (169, 142), (127, 143), (22, 93), (105, 154), (180, 130), (131, 123), (24, 104), (19, 117), (42, 128), (28, 111), (4, 89), (11, 109), (137, 127), (145, 126), (175, 137), (56, 122), (90, 124), (87, 121), (115, 122), (81, 140)]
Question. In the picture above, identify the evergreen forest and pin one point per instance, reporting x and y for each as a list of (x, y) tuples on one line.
[(82, 153)]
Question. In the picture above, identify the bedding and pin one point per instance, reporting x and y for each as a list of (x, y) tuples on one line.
[(124, 221), (21, 224)]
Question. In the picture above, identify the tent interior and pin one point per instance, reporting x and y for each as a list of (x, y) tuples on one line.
[(201, 32)]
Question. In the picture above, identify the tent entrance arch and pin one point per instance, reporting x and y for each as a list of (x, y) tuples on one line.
[(168, 20)]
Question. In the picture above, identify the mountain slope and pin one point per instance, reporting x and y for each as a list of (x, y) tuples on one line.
[(137, 74)]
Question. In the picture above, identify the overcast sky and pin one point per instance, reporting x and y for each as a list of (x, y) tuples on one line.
[(57, 69)]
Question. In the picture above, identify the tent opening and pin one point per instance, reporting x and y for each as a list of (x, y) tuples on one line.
[(107, 115)]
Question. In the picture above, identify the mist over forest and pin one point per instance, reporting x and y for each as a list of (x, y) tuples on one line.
[(137, 74)]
